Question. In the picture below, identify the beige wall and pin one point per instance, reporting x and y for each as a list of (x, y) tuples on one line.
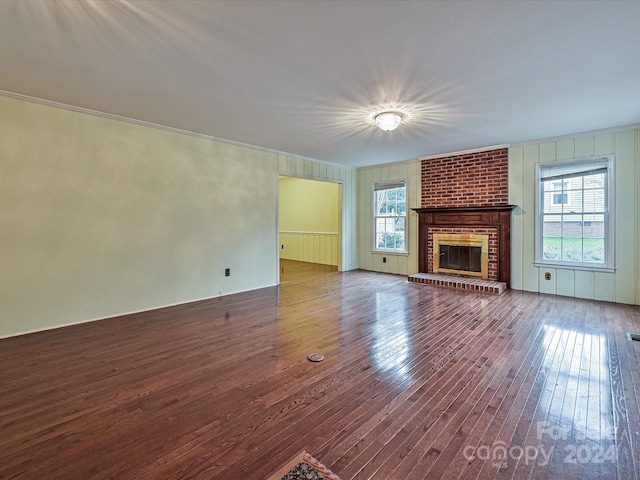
[(623, 286), (396, 263), (308, 205), (102, 217)]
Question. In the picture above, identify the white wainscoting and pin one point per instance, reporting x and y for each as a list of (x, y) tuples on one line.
[(313, 247)]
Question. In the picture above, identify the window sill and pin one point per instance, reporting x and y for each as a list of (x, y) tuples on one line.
[(390, 252), (563, 266)]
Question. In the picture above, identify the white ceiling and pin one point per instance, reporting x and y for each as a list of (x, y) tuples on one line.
[(305, 77)]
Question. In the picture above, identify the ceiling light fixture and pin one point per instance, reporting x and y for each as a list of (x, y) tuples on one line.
[(388, 121)]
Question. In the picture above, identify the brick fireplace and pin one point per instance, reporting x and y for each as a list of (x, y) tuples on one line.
[(467, 195)]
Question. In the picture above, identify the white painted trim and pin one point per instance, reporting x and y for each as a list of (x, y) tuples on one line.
[(315, 179), (609, 216), (406, 216), (300, 232), (134, 121), (378, 165), (466, 152)]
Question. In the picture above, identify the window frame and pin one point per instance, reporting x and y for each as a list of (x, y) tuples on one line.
[(384, 185), (609, 214)]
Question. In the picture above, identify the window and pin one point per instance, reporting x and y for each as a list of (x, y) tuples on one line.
[(575, 214), (390, 216), (560, 192)]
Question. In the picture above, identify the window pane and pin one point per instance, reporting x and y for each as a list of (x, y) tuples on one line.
[(551, 248), (594, 250), (572, 249), (594, 200), (574, 203), (593, 226), (381, 202)]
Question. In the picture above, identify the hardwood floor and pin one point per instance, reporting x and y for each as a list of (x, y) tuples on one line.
[(418, 382)]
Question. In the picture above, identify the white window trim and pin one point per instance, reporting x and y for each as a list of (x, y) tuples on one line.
[(390, 183), (609, 265)]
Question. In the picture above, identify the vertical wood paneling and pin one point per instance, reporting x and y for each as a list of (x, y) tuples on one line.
[(330, 171), (310, 247), (322, 248), (603, 144), (334, 250), (584, 284), (305, 248), (626, 214), (547, 152), (414, 176), (322, 170), (516, 178), (349, 249), (316, 249), (565, 149), (313, 249), (547, 286), (531, 155), (604, 287), (584, 147), (282, 163), (366, 177), (637, 203), (565, 282), (622, 286), (291, 165), (366, 212)]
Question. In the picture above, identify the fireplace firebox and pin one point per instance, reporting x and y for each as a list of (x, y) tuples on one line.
[(491, 222), (461, 254)]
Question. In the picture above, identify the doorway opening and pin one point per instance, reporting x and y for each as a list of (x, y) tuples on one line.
[(310, 222)]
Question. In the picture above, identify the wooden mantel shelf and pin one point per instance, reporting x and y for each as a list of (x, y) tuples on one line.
[(496, 216), (488, 208)]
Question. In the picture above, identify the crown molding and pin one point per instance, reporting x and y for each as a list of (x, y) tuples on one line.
[(466, 152), (143, 123)]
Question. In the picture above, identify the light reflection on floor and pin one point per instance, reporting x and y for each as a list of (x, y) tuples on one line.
[(582, 410), (392, 342)]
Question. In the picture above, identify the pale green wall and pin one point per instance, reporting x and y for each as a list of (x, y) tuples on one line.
[(396, 263), (623, 286), (101, 217), (308, 205)]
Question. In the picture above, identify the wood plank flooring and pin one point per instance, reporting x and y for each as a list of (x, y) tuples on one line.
[(418, 382)]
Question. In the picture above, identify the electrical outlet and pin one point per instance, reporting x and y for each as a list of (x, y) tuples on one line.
[(227, 272), (282, 247), (547, 275), (384, 259)]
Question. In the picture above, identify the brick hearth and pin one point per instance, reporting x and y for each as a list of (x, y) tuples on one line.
[(459, 283)]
